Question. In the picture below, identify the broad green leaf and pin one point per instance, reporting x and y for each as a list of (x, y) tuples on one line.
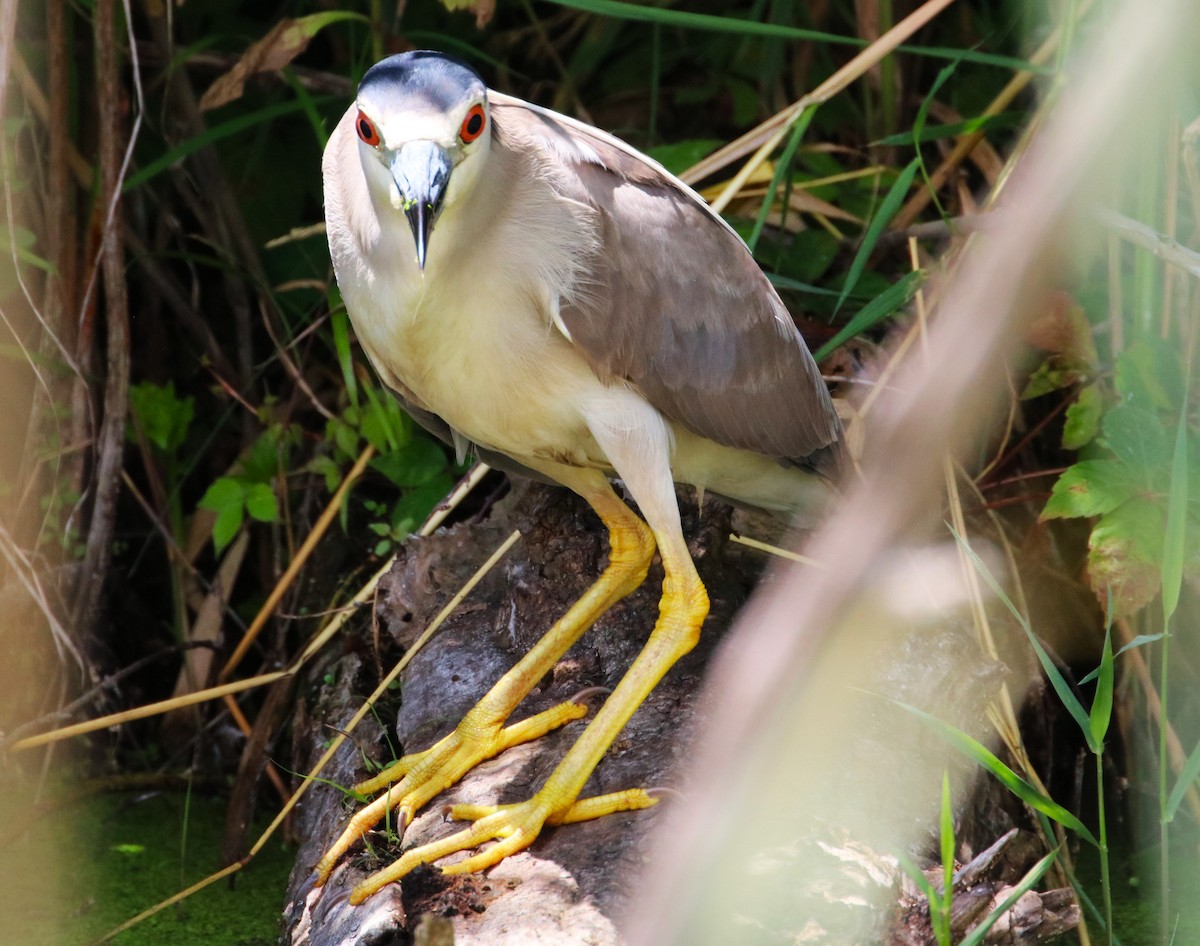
[(261, 502), (678, 156), (165, 418), (1082, 421), (414, 464), (270, 452), (226, 526), (222, 494), (416, 504), (1090, 488), (1149, 374), (976, 751), (325, 467), (1137, 437), (344, 436), (1125, 554)]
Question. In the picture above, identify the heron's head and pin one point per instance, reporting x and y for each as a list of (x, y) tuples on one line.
[(424, 132)]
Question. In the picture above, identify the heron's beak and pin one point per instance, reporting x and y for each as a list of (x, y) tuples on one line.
[(421, 171)]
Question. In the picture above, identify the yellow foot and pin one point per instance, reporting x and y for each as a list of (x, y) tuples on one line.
[(423, 775), (512, 827)]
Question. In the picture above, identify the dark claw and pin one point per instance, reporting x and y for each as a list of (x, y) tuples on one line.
[(586, 694)]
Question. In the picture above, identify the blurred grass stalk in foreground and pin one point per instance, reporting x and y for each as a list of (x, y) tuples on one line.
[(783, 760)]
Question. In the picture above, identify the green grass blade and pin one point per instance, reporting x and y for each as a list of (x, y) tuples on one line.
[(887, 209), (875, 311), (1035, 873), (1102, 702), (723, 24), (1063, 689), (918, 877), (979, 753), (799, 127), (919, 128), (703, 21), (946, 900), (1191, 770), (1173, 543), (216, 133), (968, 126)]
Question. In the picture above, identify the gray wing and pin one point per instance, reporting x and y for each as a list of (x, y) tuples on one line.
[(676, 305)]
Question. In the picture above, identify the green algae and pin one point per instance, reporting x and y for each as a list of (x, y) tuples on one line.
[(112, 856)]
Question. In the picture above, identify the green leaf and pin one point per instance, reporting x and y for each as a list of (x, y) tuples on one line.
[(1027, 883), (164, 417), (1053, 374), (269, 452), (1090, 488), (887, 209), (875, 311), (315, 22), (226, 526), (339, 325), (1102, 703), (414, 464), (979, 753), (1066, 695), (222, 494), (782, 168), (227, 498), (261, 503), (919, 126), (325, 467), (1082, 422), (1125, 554), (262, 117), (724, 24), (678, 156), (1176, 530), (967, 126), (1137, 437), (384, 424), (1191, 771), (1149, 374), (946, 832), (416, 504), (344, 436)]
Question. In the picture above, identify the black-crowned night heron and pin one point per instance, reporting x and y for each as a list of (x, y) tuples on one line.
[(535, 287)]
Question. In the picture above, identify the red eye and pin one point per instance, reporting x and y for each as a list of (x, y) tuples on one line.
[(366, 129), (473, 124)]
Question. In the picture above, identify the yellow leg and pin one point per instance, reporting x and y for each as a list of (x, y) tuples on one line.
[(482, 733), (682, 610)]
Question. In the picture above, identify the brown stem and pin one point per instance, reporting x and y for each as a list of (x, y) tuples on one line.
[(110, 442)]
